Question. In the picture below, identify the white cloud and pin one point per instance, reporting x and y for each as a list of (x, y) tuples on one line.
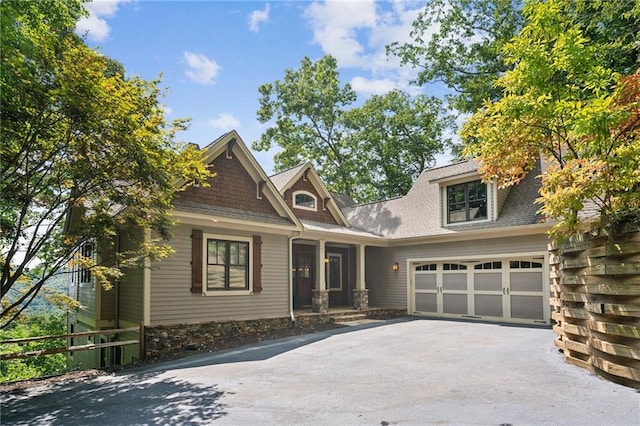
[(95, 25), (200, 69), (224, 121), (373, 87), (257, 17), (335, 25), (356, 32)]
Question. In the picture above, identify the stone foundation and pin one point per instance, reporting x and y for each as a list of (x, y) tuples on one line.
[(321, 301), (361, 299), (162, 340), (385, 314)]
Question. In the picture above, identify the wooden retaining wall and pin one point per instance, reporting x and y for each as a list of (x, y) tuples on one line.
[(595, 298)]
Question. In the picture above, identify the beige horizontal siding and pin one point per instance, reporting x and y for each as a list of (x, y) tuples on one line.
[(172, 301), (131, 289), (389, 289)]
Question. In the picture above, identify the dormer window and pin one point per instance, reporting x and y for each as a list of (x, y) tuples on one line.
[(467, 202), (305, 201)]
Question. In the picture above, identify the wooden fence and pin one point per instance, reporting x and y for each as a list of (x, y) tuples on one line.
[(75, 348), (595, 298)]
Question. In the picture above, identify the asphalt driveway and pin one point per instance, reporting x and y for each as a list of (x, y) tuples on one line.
[(398, 372)]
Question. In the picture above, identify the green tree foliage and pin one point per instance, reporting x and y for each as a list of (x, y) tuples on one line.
[(33, 326), (459, 42), (308, 107), (368, 153), (76, 134), (568, 99), (396, 139)]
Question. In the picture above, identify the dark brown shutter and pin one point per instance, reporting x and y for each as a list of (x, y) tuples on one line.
[(257, 263), (196, 261)]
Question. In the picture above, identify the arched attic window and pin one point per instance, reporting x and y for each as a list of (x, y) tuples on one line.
[(305, 200)]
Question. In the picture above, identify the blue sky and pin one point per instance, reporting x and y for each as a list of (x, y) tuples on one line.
[(213, 55)]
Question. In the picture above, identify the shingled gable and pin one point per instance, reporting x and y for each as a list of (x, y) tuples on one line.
[(305, 178), (240, 191)]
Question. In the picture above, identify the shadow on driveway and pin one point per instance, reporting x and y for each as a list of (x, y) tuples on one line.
[(141, 399), (139, 396)]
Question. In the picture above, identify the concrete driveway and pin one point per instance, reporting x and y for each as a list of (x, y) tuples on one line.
[(399, 372)]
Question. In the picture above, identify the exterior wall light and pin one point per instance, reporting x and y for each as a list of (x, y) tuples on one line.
[(326, 260), (395, 266)]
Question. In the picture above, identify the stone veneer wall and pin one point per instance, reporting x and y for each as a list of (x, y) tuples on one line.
[(595, 298), (164, 340)]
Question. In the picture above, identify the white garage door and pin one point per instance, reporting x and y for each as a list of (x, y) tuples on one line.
[(508, 290)]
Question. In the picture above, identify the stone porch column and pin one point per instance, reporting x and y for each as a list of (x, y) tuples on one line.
[(361, 293), (320, 293)]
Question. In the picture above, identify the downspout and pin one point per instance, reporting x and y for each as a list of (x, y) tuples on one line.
[(289, 265)]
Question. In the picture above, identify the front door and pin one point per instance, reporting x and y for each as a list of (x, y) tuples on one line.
[(303, 274)]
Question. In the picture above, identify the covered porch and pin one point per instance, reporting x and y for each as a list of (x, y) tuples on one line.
[(328, 276)]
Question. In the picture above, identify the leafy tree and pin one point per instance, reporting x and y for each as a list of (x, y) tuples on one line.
[(308, 107), (371, 152), (77, 136), (567, 99), (32, 326), (459, 42), (396, 139)]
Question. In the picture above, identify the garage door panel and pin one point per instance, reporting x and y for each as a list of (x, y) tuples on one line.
[(455, 304), (426, 281), (488, 305), (426, 302), (527, 307), (498, 289), (457, 281), (488, 282), (526, 281)]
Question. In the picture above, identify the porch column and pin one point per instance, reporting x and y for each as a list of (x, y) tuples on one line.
[(361, 293), (320, 293)]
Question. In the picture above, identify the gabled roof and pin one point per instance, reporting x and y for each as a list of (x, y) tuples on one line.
[(418, 214), (231, 144), (281, 179), (288, 178)]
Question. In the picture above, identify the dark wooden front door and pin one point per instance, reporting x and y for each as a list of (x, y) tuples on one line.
[(303, 274)]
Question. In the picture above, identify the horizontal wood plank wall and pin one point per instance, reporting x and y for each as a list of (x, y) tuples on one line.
[(595, 296), (388, 288), (172, 301), (131, 290)]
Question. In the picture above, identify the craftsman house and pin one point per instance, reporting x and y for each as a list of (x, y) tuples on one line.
[(251, 246)]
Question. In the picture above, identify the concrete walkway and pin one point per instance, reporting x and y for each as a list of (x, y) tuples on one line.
[(406, 372)]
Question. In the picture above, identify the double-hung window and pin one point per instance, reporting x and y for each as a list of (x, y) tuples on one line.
[(466, 202), (227, 265)]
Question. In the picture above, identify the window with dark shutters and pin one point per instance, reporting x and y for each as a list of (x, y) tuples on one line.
[(257, 263), (196, 261)]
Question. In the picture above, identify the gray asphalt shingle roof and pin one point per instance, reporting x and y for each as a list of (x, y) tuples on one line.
[(211, 210), (279, 180), (419, 213)]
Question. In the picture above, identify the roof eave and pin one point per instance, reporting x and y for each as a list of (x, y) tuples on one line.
[(510, 231)]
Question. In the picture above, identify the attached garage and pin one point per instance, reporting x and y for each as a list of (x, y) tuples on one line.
[(501, 289)]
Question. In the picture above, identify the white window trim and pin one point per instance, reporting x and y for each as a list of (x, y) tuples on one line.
[(327, 275), (315, 201), (205, 254)]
